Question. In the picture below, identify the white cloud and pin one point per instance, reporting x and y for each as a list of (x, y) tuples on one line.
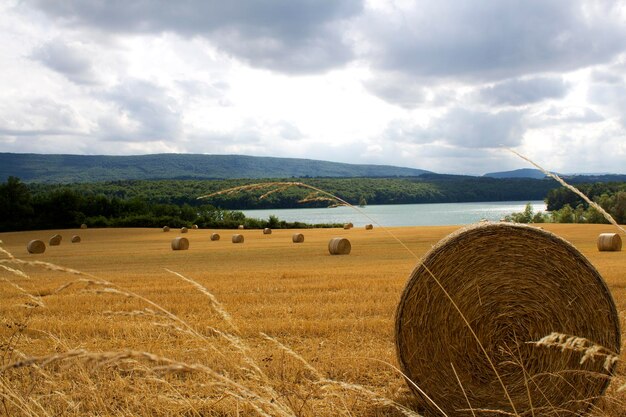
[(439, 85)]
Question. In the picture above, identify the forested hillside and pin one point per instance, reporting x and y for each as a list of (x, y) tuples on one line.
[(429, 188), (95, 168)]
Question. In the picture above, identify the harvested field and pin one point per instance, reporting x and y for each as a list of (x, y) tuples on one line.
[(335, 312)]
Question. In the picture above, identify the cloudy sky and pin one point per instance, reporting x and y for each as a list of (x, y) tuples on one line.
[(443, 85)]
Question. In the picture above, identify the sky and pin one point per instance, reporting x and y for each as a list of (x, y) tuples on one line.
[(443, 85)]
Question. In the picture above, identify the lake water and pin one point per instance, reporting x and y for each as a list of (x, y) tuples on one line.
[(402, 214)]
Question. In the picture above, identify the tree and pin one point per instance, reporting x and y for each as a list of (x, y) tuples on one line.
[(15, 205)]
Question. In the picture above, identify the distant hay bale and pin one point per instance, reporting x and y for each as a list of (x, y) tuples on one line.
[(339, 246), (75, 239), (267, 231), (83, 226), (36, 246), (215, 236), (240, 227), (348, 226), (543, 313), (195, 227), (55, 240), (180, 243), (297, 238), (369, 227), (237, 239), (610, 242), (183, 229), (166, 228)]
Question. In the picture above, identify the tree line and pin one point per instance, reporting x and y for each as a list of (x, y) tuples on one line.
[(65, 207), (565, 206)]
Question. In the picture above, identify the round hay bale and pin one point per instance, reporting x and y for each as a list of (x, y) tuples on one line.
[(55, 240), (609, 242), (195, 227), (297, 238), (166, 228), (240, 227), (237, 238), (36, 246), (83, 226), (215, 236), (75, 239), (180, 243), (183, 229), (515, 285), (339, 246), (267, 231), (369, 227), (347, 226)]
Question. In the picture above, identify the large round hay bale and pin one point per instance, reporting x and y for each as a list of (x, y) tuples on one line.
[(347, 226), (166, 228), (267, 231), (515, 285), (237, 239), (36, 246), (609, 242), (339, 246), (75, 239), (180, 243), (215, 236), (83, 226), (297, 238), (195, 227), (369, 227), (240, 227), (183, 229), (55, 240)]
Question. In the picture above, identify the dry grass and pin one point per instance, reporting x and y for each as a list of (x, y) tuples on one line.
[(265, 328)]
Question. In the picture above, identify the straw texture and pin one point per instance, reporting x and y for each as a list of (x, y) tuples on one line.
[(75, 239), (180, 243), (348, 226), (166, 228), (55, 240), (339, 246), (237, 238), (515, 285), (183, 229), (297, 238), (36, 246), (215, 236), (611, 242), (267, 231)]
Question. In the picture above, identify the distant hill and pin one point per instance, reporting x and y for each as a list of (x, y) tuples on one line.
[(517, 173), (94, 168)]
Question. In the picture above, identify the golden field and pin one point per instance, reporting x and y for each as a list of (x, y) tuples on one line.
[(132, 337)]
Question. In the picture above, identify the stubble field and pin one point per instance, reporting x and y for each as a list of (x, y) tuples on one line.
[(267, 327)]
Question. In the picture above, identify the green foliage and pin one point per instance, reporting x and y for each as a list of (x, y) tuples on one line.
[(54, 207), (424, 189), (527, 216)]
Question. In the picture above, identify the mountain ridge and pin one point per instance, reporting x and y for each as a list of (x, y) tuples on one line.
[(66, 168)]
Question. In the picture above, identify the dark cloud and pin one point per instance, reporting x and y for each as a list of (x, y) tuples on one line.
[(291, 36), (522, 92), (476, 40), (66, 60), (145, 112), (464, 128)]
